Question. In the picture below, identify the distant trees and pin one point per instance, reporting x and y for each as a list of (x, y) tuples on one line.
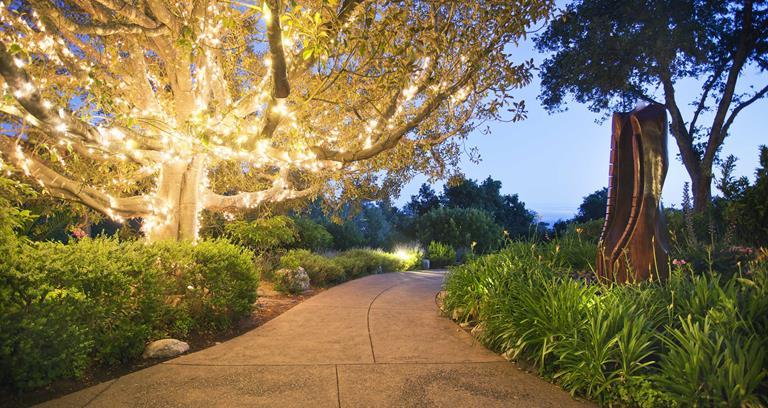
[(504, 209), (609, 54), (422, 202), (592, 208), (461, 228)]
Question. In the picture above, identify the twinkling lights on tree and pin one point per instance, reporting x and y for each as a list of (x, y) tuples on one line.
[(159, 110)]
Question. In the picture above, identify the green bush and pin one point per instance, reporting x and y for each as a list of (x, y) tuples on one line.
[(345, 265), (99, 301), (363, 261), (440, 255), (321, 270), (312, 235), (696, 340), (263, 234)]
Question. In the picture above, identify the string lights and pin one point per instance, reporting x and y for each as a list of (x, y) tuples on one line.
[(171, 95)]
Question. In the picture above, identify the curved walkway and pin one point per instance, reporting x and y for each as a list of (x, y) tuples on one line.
[(378, 341)]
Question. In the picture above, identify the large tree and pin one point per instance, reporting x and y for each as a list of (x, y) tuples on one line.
[(609, 54), (160, 109)]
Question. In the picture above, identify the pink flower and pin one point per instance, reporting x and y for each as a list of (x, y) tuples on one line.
[(679, 262)]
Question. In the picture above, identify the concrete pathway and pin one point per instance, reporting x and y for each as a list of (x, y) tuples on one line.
[(378, 341)]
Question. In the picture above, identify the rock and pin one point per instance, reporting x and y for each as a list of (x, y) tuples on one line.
[(292, 280), (478, 331), (165, 348)]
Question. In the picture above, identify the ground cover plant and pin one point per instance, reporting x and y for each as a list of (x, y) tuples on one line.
[(698, 340)]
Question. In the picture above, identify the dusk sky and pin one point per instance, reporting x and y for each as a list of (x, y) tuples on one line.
[(553, 161)]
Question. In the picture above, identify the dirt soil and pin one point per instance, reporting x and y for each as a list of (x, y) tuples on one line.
[(269, 305)]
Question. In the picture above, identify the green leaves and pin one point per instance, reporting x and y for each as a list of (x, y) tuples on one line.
[(695, 341), (98, 301)]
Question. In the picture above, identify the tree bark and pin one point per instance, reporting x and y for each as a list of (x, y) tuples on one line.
[(701, 186), (177, 201)]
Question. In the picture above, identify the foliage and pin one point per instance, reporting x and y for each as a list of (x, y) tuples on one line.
[(746, 208), (312, 235), (467, 228), (697, 340), (364, 261), (507, 210), (423, 202), (625, 51), (263, 234), (98, 301), (593, 206), (321, 270), (411, 256), (346, 235), (440, 255), (345, 265)]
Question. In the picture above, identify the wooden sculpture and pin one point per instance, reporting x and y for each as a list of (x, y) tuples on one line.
[(634, 244)]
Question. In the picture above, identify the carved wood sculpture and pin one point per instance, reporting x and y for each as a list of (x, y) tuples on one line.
[(634, 244)]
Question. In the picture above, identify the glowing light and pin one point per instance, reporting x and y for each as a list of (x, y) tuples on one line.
[(267, 13)]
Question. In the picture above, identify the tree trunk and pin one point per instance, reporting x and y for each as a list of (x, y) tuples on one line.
[(177, 201), (701, 186)]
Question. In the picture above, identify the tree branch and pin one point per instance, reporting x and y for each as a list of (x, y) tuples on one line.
[(758, 95), (130, 12), (63, 187), (280, 86), (103, 29), (277, 193), (717, 135), (61, 122), (707, 87)]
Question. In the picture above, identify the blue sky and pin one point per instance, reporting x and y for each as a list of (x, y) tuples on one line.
[(552, 161)]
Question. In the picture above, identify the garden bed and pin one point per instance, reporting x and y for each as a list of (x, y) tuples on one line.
[(697, 340), (268, 306)]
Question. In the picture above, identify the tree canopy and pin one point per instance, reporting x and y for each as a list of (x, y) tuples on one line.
[(159, 110), (609, 54)]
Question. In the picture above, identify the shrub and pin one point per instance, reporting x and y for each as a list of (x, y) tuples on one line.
[(349, 264), (99, 301), (263, 234), (440, 255), (697, 340), (312, 235), (359, 262), (321, 270)]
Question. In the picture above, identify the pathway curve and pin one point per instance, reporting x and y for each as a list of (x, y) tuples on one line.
[(378, 341)]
